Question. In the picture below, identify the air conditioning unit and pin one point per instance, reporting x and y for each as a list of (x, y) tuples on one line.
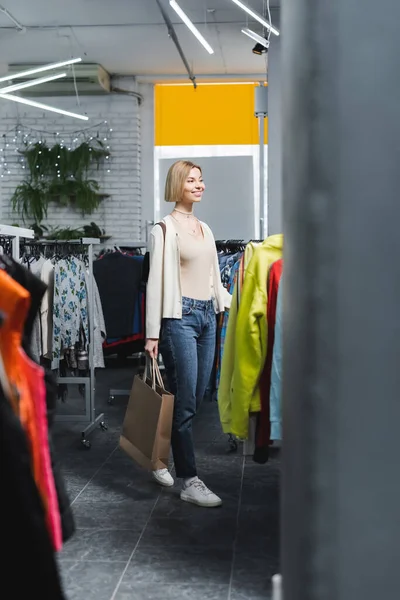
[(90, 80)]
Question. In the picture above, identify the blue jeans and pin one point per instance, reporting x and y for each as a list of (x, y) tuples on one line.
[(188, 348)]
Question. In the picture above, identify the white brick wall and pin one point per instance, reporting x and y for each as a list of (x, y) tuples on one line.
[(121, 214)]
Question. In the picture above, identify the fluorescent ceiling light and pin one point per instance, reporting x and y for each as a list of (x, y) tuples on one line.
[(40, 69), (257, 17), (27, 84), (191, 26), (254, 36), (43, 106)]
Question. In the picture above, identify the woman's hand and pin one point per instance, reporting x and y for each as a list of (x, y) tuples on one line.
[(151, 348)]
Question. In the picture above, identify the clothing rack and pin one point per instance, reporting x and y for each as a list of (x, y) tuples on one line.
[(16, 234), (90, 417)]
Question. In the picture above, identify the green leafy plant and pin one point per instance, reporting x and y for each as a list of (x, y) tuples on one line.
[(67, 233), (30, 200), (57, 174)]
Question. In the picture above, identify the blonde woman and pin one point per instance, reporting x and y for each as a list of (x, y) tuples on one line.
[(184, 294)]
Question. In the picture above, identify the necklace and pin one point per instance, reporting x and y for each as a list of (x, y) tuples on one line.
[(193, 230), (187, 215)]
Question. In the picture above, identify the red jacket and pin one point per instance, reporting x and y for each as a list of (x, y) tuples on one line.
[(264, 425)]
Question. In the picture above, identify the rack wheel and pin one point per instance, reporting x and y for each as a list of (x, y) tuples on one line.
[(111, 399), (103, 426), (86, 444), (233, 445)]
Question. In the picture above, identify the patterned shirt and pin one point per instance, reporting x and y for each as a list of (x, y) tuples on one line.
[(70, 309)]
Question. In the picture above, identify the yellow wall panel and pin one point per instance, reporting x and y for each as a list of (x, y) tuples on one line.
[(210, 115)]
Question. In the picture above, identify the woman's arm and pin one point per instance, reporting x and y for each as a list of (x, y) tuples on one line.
[(154, 288)]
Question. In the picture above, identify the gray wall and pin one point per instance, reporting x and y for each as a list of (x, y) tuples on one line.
[(274, 138), (228, 203)]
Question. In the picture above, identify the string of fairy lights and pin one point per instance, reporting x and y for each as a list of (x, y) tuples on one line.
[(22, 137)]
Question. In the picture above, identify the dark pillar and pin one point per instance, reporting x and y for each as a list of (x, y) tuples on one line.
[(341, 205)]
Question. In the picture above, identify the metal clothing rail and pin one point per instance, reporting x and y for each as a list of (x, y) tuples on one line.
[(90, 417), (16, 234)]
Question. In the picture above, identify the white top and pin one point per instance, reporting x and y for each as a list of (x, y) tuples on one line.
[(46, 309), (197, 258), (164, 288)]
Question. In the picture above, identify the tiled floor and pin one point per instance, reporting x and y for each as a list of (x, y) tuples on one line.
[(136, 541)]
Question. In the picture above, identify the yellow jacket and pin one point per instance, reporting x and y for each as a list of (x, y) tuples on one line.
[(245, 346), (228, 357)]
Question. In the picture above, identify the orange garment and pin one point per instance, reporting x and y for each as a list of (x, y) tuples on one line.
[(14, 304), (26, 380)]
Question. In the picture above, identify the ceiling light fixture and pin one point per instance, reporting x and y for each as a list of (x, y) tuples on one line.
[(254, 36), (259, 49), (257, 17), (34, 70), (27, 84), (191, 26), (43, 106)]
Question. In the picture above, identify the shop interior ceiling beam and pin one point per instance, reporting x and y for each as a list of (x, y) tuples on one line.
[(17, 24), (174, 37)]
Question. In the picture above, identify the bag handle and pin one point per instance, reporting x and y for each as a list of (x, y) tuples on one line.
[(163, 227), (155, 373)]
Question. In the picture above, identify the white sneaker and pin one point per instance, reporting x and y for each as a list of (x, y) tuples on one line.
[(163, 477), (198, 493)]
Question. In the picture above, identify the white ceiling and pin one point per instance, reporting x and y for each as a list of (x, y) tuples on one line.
[(130, 37)]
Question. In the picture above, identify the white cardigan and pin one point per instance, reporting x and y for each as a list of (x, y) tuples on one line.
[(163, 293)]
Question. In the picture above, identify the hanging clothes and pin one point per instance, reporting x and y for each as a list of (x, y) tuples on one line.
[(35, 267), (246, 341), (276, 372), (70, 305), (46, 309), (263, 433), (28, 391), (100, 333), (234, 273), (119, 279), (37, 290), (24, 537), (228, 339)]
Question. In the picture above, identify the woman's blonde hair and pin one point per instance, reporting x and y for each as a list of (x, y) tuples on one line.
[(176, 178)]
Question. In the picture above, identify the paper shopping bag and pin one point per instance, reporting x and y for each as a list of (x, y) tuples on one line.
[(147, 427)]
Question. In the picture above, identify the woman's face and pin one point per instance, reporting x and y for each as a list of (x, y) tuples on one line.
[(194, 187)]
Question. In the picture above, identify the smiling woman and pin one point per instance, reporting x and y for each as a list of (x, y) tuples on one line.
[(184, 294)]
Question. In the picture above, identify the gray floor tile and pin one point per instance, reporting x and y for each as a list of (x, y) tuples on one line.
[(170, 505), (90, 580), (255, 572), (259, 521), (209, 525), (261, 487), (78, 458), (186, 565), (173, 592), (76, 481), (122, 515), (119, 485), (185, 551), (101, 544), (246, 593)]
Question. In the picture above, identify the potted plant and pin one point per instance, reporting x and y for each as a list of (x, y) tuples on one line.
[(57, 174)]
